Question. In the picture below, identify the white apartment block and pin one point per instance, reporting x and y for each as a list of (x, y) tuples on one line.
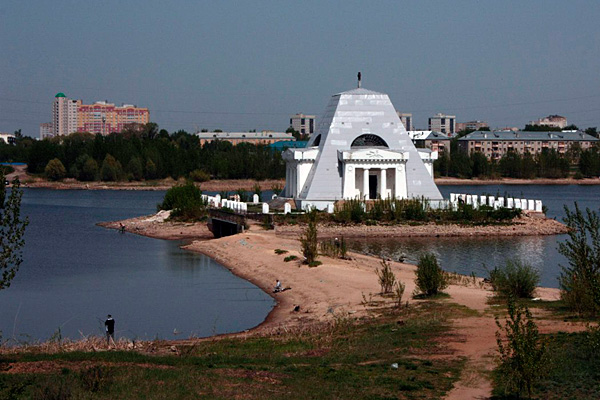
[(443, 123), (305, 124), (64, 115), (407, 120)]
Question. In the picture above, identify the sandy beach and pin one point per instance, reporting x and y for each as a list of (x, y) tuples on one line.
[(343, 288)]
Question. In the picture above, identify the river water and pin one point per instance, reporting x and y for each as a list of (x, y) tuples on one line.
[(468, 255), (75, 273)]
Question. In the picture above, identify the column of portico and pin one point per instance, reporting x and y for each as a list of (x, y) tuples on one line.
[(288, 182), (383, 183), (400, 184), (366, 183)]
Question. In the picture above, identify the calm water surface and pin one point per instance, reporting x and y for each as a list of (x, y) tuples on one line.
[(75, 273), (467, 255)]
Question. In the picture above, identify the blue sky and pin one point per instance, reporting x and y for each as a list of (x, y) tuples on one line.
[(248, 65)]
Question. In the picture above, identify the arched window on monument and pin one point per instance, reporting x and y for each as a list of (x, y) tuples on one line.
[(369, 140)]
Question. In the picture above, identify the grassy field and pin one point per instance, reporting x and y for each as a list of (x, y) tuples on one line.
[(344, 359)]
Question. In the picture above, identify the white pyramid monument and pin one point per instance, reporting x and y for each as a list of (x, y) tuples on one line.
[(360, 150)]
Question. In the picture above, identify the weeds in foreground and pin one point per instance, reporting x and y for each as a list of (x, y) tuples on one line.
[(387, 279)]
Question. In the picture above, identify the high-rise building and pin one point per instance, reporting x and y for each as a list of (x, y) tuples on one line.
[(64, 114), (105, 118), (443, 123), (305, 124), (46, 130), (406, 119)]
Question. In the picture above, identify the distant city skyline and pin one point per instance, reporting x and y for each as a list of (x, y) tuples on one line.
[(241, 66)]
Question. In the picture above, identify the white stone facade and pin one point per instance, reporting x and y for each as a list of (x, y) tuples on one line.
[(360, 150)]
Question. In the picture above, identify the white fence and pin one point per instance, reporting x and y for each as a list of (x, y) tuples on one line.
[(495, 202)]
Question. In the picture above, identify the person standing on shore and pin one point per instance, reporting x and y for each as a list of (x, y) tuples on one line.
[(109, 324)]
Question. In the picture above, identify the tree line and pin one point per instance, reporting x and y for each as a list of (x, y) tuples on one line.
[(546, 164), (143, 153)]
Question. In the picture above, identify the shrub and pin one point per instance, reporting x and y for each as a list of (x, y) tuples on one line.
[(290, 258), (308, 239), (431, 279), (352, 210), (580, 280), (387, 279), (399, 293), (199, 175), (280, 251), (523, 355), (515, 278), (95, 379), (185, 202), (55, 170)]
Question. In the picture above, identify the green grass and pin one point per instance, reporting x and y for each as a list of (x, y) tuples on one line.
[(344, 359)]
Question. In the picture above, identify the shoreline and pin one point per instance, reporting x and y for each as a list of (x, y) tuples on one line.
[(337, 286), (248, 184)]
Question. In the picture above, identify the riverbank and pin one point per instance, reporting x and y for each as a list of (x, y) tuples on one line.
[(514, 181), (529, 224)]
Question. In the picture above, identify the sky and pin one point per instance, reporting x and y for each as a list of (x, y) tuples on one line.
[(241, 65)]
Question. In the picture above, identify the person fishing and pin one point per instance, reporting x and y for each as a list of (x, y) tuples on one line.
[(278, 287), (109, 325)]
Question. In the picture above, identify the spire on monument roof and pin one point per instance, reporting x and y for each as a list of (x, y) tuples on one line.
[(359, 79)]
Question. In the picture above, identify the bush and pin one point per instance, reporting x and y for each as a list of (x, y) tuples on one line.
[(580, 280), (55, 170), (399, 293), (185, 202), (290, 258), (308, 239), (387, 279), (431, 279), (280, 251), (515, 279), (522, 355), (199, 175)]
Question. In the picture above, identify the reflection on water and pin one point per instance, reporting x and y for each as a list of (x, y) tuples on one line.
[(469, 254)]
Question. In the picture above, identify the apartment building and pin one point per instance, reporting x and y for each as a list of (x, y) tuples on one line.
[(305, 124), (105, 118), (70, 116), (46, 130), (264, 137), (471, 125), (443, 123), (407, 120), (64, 115), (495, 144), (555, 121)]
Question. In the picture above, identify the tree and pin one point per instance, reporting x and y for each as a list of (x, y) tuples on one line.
[(89, 170), (579, 282), (12, 229), (592, 131), (135, 169), (308, 239), (55, 170), (111, 169)]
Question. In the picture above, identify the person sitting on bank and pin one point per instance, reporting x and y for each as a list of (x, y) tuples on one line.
[(278, 287)]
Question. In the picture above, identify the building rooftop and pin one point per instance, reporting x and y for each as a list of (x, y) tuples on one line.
[(245, 135), (60, 94), (361, 91), (427, 135), (527, 135)]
